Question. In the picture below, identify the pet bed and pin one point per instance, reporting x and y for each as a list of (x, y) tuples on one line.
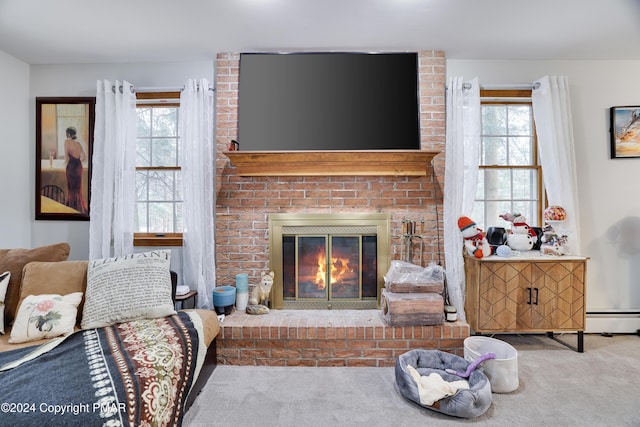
[(464, 403)]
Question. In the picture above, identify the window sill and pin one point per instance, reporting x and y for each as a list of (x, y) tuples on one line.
[(153, 239)]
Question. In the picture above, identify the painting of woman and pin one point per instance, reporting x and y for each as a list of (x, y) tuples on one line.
[(74, 155)]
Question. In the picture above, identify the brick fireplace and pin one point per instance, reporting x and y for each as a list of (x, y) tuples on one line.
[(244, 204)]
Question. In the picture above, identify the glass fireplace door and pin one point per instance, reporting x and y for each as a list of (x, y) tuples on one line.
[(329, 267)]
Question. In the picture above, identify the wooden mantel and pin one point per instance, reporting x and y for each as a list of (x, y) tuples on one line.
[(331, 163)]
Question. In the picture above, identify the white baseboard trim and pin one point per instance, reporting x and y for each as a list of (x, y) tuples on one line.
[(615, 323)]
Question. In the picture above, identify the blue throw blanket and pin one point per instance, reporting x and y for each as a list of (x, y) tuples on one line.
[(130, 374)]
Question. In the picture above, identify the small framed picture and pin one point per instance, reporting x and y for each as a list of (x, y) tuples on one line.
[(64, 142), (625, 132)]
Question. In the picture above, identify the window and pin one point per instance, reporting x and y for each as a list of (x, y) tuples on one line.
[(510, 176), (158, 176)]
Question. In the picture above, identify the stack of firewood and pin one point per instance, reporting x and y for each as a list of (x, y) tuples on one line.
[(413, 304)]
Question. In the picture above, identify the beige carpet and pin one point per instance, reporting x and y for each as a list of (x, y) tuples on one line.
[(558, 387)]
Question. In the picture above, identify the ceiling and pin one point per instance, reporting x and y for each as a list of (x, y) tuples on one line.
[(120, 31)]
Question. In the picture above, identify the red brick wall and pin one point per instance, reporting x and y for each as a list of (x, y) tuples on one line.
[(244, 203), (354, 340)]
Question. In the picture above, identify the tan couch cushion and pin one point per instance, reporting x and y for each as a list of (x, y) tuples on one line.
[(210, 324), (62, 278), (14, 260), (5, 345)]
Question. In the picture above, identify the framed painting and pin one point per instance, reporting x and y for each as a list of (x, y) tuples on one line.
[(64, 143), (625, 132)]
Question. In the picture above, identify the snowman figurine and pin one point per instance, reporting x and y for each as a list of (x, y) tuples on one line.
[(521, 237)]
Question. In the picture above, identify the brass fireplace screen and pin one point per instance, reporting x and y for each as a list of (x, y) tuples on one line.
[(325, 261)]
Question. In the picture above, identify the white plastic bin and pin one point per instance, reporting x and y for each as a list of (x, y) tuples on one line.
[(501, 371)]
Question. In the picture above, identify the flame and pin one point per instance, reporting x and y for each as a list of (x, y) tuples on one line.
[(321, 273), (339, 268)]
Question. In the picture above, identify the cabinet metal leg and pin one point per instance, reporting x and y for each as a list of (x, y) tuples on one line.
[(580, 341)]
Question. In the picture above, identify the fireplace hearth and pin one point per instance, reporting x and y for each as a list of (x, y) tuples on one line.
[(328, 261)]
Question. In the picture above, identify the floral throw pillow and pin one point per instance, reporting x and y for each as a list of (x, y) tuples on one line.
[(4, 283), (45, 316)]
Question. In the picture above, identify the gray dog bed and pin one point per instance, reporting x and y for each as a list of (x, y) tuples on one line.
[(465, 403)]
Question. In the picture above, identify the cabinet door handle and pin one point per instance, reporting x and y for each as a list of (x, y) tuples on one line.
[(529, 300), (536, 302)]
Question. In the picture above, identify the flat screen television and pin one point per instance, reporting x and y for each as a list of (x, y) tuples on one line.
[(328, 101)]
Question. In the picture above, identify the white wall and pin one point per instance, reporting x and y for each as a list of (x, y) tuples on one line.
[(609, 205), (16, 162), (20, 84), (80, 80)]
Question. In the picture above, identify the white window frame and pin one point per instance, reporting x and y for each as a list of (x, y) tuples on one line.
[(158, 99), (515, 97)]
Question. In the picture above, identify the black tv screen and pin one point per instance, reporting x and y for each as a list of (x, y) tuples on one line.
[(328, 101)]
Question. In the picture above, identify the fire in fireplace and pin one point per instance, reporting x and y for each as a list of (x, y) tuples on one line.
[(330, 267), (328, 260)]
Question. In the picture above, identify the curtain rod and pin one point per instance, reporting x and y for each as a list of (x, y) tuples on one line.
[(534, 86), (156, 89)]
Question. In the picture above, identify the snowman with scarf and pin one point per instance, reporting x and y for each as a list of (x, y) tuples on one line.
[(475, 241), (521, 237)]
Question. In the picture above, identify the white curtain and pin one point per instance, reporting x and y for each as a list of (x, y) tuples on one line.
[(112, 207), (463, 122), (198, 177), (554, 126)]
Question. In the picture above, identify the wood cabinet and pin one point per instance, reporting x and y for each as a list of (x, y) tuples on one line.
[(527, 293)]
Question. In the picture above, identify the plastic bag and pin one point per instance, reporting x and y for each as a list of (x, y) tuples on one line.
[(405, 272)]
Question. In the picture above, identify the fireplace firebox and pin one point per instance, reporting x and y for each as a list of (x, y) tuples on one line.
[(328, 261)]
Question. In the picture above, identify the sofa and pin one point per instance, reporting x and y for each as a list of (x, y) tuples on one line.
[(98, 342)]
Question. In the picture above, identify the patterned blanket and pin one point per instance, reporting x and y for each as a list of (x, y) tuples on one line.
[(137, 373)]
